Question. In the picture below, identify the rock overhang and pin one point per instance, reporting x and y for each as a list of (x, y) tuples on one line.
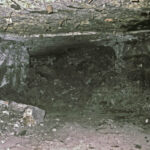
[(103, 16), (74, 25)]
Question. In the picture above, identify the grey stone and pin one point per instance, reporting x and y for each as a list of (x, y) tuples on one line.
[(14, 60), (37, 113)]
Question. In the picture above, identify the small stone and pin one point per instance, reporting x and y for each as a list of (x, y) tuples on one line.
[(49, 9), (2, 141), (41, 124), (89, 118), (9, 21), (70, 106), (5, 112), (16, 125), (18, 145), (108, 20), (57, 119), (138, 146), (1, 121), (22, 133), (54, 129), (104, 5), (146, 120), (12, 133)]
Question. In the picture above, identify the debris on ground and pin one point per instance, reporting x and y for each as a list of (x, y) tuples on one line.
[(15, 117)]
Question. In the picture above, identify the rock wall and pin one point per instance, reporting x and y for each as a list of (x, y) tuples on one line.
[(14, 60), (15, 57), (76, 23), (136, 56)]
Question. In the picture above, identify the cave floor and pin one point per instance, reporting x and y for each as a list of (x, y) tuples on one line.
[(82, 130)]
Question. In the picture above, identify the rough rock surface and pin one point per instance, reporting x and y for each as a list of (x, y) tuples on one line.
[(86, 62), (32, 17), (18, 116), (14, 60), (72, 23)]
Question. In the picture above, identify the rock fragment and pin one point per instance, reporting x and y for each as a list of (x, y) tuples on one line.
[(49, 9)]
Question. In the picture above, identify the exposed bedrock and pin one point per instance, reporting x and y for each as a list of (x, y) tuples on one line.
[(130, 53), (28, 31)]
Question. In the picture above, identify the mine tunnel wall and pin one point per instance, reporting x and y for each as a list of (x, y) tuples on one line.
[(15, 60)]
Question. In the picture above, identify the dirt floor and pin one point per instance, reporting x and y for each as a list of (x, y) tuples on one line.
[(88, 104), (79, 130)]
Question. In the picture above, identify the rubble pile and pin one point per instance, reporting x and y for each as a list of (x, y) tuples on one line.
[(16, 117)]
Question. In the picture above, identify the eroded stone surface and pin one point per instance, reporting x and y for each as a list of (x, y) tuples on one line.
[(14, 60), (32, 17)]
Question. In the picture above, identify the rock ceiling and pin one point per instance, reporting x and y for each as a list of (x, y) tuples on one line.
[(33, 17), (61, 23)]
